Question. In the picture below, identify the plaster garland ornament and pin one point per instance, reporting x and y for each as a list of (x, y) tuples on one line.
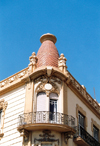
[(47, 79), (48, 88)]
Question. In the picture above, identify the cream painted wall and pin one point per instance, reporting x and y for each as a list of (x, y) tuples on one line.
[(16, 101), (72, 101)]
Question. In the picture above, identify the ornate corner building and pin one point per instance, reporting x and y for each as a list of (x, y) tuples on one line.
[(44, 105)]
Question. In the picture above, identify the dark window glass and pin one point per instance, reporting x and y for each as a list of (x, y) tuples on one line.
[(53, 109), (81, 120), (95, 133), (0, 117)]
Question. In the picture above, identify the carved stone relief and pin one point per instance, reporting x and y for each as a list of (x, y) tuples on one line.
[(46, 137), (33, 60), (47, 79), (48, 85), (3, 106)]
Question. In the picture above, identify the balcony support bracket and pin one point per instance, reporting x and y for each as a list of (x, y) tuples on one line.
[(67, 135), (25, 134)]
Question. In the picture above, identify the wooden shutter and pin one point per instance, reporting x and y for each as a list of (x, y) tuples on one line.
[(41, 101)]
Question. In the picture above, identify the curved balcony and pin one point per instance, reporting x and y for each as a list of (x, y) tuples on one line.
[(46, 120)]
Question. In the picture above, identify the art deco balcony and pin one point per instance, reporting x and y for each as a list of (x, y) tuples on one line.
[(83, 138), (46, 120)]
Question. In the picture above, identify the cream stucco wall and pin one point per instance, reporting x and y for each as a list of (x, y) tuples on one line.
[(73, 100), (16, 100)]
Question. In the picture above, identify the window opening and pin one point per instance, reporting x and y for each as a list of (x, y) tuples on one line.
[(53, 110), (81, 122), (96, 133), (0, 117)]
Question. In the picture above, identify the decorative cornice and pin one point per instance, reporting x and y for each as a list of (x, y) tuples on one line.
[(23, 76), (10, 82), (84, 94)]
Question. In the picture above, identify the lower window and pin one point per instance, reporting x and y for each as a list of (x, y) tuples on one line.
[(96, 133)]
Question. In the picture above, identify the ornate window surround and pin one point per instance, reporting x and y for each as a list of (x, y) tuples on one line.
[(41, 88), (94, 123), (80, 109), (3, 106)]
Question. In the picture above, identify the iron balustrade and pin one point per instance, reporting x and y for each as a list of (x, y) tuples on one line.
[(46, 117), (81, 132)]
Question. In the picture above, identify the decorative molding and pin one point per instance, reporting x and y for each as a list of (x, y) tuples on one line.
[(25, 134), (8, 81), (41, 87), (46, 137), (46, 79), (16, 80), (84, 94), (3, 106), (33, 63), (68, 135), (80, 109), (62, 63), (1, 135)]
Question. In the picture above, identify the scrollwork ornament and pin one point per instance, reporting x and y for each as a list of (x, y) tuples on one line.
[(3, 106), (41, 88)]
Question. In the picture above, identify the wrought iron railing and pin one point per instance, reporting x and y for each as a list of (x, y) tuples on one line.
[(81, 132), (46, 117)]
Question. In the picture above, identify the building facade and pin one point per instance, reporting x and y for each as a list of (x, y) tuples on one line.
[(44, 105)]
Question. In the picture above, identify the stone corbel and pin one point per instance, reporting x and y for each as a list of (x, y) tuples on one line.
[(1, 135), (49, 71), (25, 134), (68, 135), (3, 106)]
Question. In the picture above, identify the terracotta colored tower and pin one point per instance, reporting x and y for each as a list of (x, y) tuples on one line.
[(47, 54)]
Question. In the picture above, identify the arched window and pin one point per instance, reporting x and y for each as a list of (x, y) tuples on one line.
[(41, 101)]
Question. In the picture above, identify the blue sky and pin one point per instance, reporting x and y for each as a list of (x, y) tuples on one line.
[(75, 23)]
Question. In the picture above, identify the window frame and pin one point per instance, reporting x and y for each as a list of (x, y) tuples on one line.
[(95, 124), (81, 120), (96, 137), (80, 110)]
